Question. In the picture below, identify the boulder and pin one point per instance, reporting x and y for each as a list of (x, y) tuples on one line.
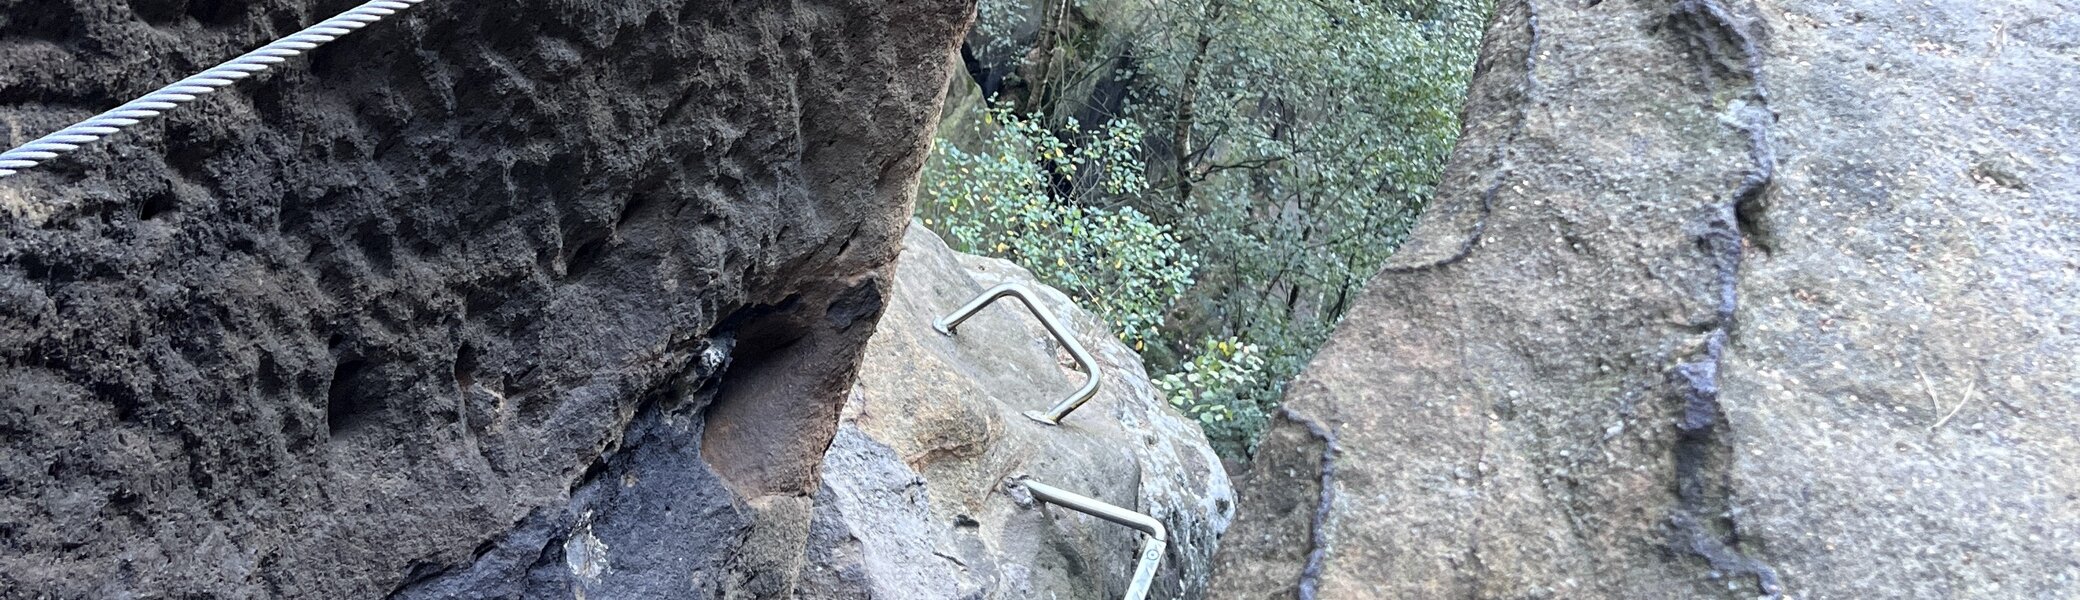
[(1721, 300), (921, 490), (535, 299)]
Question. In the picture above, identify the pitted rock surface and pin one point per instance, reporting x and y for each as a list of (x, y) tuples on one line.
[(533, 299)]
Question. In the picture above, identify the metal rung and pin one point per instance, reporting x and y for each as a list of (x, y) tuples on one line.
[(1053, 416), (1154, 540)]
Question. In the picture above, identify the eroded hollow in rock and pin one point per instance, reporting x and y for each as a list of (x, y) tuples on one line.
[(773, 392)]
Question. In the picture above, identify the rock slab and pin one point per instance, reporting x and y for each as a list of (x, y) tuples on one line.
[(1723, 300), (920, 493)]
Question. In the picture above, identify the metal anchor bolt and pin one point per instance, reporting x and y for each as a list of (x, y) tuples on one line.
[(1154, 536), (1061, 409)]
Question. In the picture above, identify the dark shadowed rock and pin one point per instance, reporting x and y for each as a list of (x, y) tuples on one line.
[(1724, 299), (525, 299), (920, 499)]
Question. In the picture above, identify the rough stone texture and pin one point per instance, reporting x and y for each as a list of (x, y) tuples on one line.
[(1724, 299), (539, 299), (920, 498)]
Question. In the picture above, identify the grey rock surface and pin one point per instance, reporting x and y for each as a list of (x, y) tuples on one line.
[(533, 299), (1723, 300), (920, 496)]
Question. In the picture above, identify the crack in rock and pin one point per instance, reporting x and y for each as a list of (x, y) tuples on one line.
[(1703, 519), (1318, 526)]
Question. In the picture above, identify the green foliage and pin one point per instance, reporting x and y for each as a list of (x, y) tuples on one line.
[(998, 22), (1029, 196), (1216, 385), (1318, 130), (1288, 147)]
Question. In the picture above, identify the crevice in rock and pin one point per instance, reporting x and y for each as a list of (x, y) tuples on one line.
[(857, 304), (772, 417), (1310, 581), (349, 405), (1703, 520), (741, 420), (627, 494), (157, 205), (1727, 53)]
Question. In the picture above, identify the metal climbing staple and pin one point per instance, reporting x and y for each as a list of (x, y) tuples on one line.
[(1155, 538), (1061, 409), (197, 85)]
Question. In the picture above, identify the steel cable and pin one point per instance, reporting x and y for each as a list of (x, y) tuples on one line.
[(197, 85)]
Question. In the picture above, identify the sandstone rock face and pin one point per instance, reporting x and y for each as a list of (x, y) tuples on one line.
[(1726, 300), (919, 499), (541, 299)]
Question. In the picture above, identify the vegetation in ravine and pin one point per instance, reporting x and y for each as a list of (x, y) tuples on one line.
[(1218, 178)]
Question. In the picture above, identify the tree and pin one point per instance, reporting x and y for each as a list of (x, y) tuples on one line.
[(1295, 142)]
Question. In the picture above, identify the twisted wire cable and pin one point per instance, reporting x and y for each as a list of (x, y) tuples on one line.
[(197, 85)]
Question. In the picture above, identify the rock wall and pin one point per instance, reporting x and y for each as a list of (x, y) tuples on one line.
[(542, 299), (921, 496), (1723, 300)]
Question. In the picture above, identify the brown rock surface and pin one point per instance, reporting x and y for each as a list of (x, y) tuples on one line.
[(518, 299), (1723, 299)]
